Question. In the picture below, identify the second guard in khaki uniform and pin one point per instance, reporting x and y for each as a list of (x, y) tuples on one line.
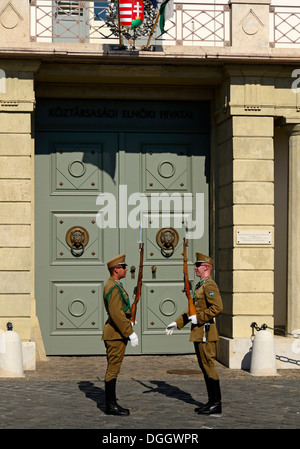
[(204, 333), (117, 330)]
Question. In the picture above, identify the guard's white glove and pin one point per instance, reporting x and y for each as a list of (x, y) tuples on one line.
[(170, 328), (133, 324), (193, 319), (134, 341)]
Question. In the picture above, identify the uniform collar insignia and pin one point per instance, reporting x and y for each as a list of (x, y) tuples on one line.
[(201, 283)]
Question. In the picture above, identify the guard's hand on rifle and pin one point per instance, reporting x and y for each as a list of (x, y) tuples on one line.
[(193, 319), (170, 328), (133, 324), (134, 341)]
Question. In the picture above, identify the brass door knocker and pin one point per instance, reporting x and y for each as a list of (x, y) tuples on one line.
[(167, 239), (77, 238)]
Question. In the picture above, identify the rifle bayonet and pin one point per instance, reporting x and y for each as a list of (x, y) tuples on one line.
[(187, 285), (138, 289)]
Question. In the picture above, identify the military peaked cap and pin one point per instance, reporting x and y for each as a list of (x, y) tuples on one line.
[(205, 259), (115, 261)]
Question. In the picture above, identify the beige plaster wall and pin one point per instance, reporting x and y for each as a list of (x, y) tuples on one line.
[(16, 197)]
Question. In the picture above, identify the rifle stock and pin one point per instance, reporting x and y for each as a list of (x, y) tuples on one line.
[(191, 305), (138, 288)]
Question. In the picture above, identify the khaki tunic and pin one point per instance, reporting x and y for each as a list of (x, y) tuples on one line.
[(118, 325), (208, 305)]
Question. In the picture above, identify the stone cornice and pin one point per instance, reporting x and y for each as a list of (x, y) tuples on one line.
[(17, 105)]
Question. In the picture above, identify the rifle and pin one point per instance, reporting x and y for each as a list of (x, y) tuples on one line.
[(187, 287), (138, 289)]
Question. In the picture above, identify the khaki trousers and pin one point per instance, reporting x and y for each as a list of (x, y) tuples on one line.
[(206, 355), (115, 350)]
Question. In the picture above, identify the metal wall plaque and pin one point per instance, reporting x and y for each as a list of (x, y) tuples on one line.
[(253, 237)]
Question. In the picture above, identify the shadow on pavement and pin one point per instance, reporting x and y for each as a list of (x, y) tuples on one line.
[(95, 393), (170, 391)]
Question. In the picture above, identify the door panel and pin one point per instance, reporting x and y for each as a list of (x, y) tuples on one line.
[(160, 165), (75, 167), (75, 306), (90, 252), (71, 170), (166, 173)]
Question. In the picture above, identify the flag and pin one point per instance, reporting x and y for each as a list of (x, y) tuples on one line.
[(166, 12), (131, 13)]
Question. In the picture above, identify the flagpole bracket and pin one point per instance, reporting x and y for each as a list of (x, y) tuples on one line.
[(118, 48)]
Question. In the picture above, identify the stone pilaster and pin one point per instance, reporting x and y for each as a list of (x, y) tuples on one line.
[(246, 198), (245, 154), (293, 293), (17, 101)]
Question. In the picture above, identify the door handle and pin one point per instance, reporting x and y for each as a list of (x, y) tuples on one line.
[(167, 239), (77, 238), (132, 271), (153, 269)]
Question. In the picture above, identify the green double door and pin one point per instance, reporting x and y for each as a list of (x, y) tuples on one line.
[(93, 188)]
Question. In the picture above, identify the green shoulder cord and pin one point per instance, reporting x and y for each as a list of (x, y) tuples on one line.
[(199, 285), (125, 301)]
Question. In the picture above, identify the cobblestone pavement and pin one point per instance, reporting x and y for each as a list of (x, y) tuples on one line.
[(160, 391)]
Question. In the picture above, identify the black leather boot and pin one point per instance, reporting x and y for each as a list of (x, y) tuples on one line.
[(214, 405), (112, 407), (214, 408), (210, 393)]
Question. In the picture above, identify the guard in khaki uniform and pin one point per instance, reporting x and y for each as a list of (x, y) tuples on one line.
[(204, 334), (117, 330)]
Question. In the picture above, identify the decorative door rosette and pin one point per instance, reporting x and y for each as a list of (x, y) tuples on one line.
[(136, 15)]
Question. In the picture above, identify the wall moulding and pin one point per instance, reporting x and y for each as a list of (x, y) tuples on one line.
[(17, 105), (251, 23), (9, 16)]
